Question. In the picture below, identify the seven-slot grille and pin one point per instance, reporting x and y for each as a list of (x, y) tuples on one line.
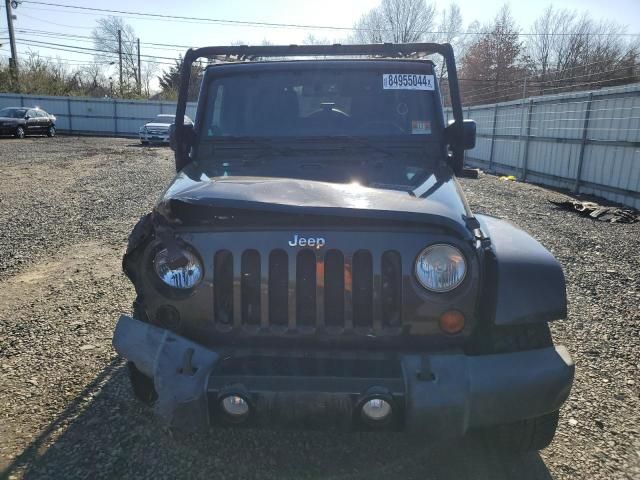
[(308, 290)]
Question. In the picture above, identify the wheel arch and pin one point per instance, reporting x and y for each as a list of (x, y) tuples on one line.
[(524, 282)]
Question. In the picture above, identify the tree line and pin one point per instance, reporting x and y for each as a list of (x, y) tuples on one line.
[(564, 50)]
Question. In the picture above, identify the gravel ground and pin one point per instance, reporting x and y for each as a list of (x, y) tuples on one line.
[(66, 207)]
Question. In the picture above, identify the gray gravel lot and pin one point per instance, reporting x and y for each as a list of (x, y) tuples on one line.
[(66, 207)]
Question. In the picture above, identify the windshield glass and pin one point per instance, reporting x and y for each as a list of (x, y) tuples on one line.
[(163, 119), (320, 103), (373, 127), (13, 112)]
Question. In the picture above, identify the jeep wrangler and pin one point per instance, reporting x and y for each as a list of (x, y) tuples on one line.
[(314, 263)]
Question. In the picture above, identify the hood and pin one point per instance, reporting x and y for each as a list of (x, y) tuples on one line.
[(157, 125), (435, 202), (10, 119)]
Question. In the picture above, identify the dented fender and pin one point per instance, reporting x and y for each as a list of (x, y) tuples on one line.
[(179, 368), (525, 283)]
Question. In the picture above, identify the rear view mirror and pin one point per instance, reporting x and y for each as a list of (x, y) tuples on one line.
[(468, 140), (187, 133)]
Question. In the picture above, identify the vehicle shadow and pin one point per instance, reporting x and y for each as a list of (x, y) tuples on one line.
[(107, 434)]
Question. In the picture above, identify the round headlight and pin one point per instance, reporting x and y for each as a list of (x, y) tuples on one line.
[(440, 268), (184, 273)]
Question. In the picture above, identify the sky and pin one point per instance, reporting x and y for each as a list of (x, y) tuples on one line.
[(336, 13)]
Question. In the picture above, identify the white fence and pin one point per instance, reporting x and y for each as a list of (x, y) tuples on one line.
[(586, 142), (96, 116)]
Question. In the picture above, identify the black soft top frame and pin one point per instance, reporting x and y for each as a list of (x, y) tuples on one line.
[(378, 50)]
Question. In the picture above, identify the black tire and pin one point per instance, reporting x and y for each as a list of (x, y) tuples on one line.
[(142, 386), (532, 433), (525, 435), (51, 131), (20, 133)]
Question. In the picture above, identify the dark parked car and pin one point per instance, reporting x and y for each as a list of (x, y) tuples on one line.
[(22, 121), (314, 263)]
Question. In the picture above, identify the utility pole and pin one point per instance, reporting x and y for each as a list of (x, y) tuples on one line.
[(139, 71), (120, 57), (13, 61)]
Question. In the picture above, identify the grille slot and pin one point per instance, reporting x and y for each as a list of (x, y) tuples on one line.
[(391, 288), (223, 287), (334, 289), (362, 289), (278, 287), (250, 287), (308, 289)]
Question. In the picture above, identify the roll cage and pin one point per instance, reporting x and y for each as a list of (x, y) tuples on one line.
[(455, 135)]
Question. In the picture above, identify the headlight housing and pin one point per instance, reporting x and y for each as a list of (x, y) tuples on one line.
[(185, 273), (440, 268)]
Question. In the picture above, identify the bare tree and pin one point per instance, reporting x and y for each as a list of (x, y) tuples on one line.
[(449, 31), (105, 39), (396, 21), (149, 72), (311, 39), (568, 51), (492, 62)]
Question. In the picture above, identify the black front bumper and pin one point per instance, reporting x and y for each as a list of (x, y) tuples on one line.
[(433, 394)]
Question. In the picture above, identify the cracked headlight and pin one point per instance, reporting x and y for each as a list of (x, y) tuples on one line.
[(440, 268), (183, 272)]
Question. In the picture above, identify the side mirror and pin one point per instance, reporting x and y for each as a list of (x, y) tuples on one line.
[(468, 140), (27, 117), (188, 136)]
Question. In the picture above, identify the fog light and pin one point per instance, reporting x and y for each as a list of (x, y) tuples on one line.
[(452, 322), (376, 410), (235, 406)]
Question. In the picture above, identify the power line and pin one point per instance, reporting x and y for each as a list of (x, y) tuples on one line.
[(174, 18), (49, 22), (89, 53), (86, 50), (45, 33)]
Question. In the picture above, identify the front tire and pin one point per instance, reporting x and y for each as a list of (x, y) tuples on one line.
[(20, 132), (531, 433), (51, 131), (142, 386), (525, 435)]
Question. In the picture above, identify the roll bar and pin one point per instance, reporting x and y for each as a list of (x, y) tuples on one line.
[(378, 50)]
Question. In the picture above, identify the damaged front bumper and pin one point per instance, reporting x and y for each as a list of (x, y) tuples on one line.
[(434, 394)]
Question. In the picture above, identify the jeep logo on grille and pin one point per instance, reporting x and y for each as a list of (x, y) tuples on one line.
[(298, 241)]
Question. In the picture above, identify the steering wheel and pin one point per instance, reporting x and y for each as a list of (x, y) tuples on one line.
[(328, 112)]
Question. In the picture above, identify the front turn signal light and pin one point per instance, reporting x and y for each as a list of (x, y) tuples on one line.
[(452, 322)]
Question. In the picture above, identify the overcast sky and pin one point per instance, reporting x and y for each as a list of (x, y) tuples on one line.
[(337, 13)]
